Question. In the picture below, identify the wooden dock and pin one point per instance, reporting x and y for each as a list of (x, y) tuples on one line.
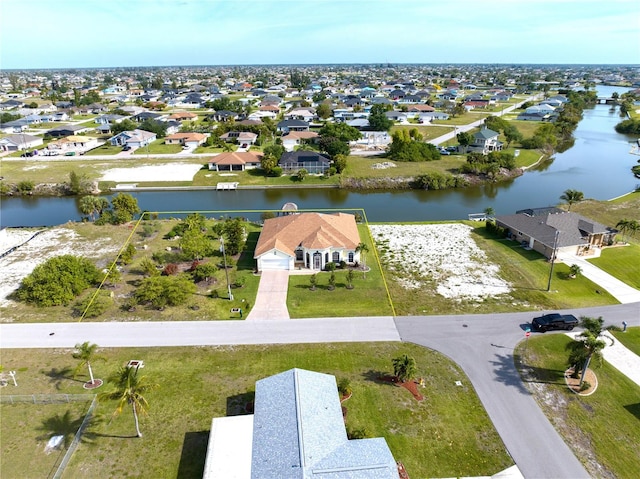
[(231, 185)]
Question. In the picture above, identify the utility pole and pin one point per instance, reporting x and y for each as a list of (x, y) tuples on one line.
[(226, 271), (553, 259)]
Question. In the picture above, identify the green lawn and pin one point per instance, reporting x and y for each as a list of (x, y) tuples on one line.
[(159, 147), (106, 149), (367, 298), (427, 132), (604, 424), (623, 262), (630, 338), (447, 434), (26, 428), (256, 176), (361, 167)]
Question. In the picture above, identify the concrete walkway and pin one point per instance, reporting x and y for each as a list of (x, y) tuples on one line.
[(619, 290), (619, 356), (271, 300)]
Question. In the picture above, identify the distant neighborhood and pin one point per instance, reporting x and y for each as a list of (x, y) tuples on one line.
[(275, 118)]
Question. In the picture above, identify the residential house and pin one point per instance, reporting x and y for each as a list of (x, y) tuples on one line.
[(135, 139), (485, 141), (297, 431), (297, 138), (398, 116), (420, 108), (224, 115), (547, 229), (183, 116), (428, 117), (235, 161), (541, 112), (310, 240), (11, 104), (239, 137), (260, 114), (359, 123), (19, 142), (192, 140), (285, 126), (77, 143), (147, 115), (304, 114), (60, 116), (315, 163), (107, 119), (67, 130), (15, 126)]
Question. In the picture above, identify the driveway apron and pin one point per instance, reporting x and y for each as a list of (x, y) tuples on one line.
[(271, 300)]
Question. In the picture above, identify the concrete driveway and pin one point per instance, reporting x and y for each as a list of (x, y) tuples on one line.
[(619, 290), (271, 300)]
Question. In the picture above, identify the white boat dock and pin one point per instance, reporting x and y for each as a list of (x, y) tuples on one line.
[(231, 185)]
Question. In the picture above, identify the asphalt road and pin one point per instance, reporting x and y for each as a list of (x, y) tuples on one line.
[(481, 344)]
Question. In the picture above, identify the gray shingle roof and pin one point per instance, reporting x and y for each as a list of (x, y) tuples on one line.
[(573, 227), (299, 433)]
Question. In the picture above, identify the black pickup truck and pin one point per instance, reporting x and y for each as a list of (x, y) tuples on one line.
[(552, 321)]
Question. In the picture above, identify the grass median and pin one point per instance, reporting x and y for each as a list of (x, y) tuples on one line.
[(602, 429)]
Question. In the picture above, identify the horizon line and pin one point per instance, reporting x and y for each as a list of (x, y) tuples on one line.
[(386, 63)]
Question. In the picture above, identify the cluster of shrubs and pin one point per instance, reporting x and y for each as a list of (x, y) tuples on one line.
[(496, 230), (438, 181), (477, 163)]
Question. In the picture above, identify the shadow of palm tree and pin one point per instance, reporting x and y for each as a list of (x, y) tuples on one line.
[(505, 372), (57, 376), (67, 425), (379, 377)]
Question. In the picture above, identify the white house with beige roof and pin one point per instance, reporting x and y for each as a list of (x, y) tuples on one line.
[(308, 240)]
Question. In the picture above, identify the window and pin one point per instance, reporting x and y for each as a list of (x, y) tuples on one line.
[(350, 256), (336, 257), (299, 255)]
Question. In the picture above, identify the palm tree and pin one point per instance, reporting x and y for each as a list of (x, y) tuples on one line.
[(129, 389), (489, 212), (86, 205), (623, 225), (574, 270), (587, 345), (572, 196), (404, 367), (86, 352), (362, 248)]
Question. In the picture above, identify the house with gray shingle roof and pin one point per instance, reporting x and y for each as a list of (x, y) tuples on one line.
[(536, 229), (485, 140), (297, 431)]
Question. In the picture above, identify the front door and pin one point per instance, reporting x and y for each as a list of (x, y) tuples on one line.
[(317, 261)]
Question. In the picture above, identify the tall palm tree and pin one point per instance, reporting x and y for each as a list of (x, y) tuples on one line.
[(572, 196), (130, 388), (623, 225), (86, 352), (86, 205), (404, 367), (587, 345), (362, 248)]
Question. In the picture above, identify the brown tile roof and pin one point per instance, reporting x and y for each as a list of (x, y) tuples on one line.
[(183, 114), (301, 135), (421, 107), (187, 136), (311, 230), (235, 158)]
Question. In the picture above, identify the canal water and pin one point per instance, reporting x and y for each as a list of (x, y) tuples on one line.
[(599, 165)]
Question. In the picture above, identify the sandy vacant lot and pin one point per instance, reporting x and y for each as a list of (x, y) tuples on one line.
[(52, 242), (167, 172), (443, 255)]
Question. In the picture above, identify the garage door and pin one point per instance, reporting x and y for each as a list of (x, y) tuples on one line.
[(275, 264)]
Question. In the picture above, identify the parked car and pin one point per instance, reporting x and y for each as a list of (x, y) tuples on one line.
[(126, 147), (70, 153), (554, 321), (451, 149), (443, 151)]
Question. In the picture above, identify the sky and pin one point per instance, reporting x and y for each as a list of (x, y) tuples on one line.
[(113, 33)]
